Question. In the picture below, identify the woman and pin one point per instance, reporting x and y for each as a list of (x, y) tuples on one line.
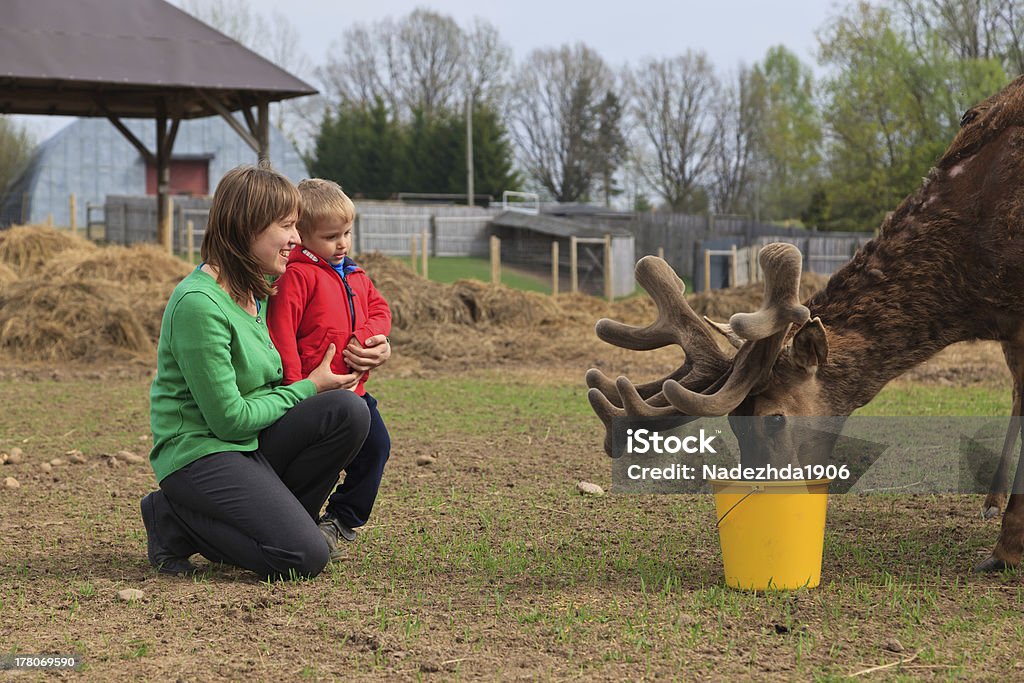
[(244, 464)]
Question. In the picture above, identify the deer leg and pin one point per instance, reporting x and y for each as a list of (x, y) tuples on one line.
[(1010, 545), (996, 498)]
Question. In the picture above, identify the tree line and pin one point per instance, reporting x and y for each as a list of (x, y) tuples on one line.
[(771, 140)]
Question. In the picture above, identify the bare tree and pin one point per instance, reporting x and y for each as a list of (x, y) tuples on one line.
[(276, 40), (487, 63), (676, 111), (423, 62), (973, 29), (733, 161), (556, 118)]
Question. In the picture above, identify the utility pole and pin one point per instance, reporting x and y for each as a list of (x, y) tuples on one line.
[(469, 149)]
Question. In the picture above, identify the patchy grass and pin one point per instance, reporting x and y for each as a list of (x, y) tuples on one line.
[(485, 564)]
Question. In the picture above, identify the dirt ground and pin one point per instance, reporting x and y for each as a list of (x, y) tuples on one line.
[(484, 564)]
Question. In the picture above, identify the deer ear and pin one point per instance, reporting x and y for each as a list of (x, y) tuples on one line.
[(810, 345)]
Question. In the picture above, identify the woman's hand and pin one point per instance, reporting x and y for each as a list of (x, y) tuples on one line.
[(362, 358), (325, 379)]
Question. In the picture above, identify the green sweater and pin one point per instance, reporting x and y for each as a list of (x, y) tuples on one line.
[(218, 378)]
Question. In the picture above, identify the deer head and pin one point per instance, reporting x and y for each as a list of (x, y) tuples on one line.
[(763, 377)]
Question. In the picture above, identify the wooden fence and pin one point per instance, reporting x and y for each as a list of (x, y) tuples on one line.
[(685, 238)]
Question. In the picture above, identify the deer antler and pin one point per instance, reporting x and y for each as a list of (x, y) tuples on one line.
[(765, 332), (708, 383), (781, 265), (676, 323)]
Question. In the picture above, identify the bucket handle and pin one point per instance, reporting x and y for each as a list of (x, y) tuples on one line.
[(755, 489)]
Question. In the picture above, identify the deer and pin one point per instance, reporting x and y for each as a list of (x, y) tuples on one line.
[(946, 266)]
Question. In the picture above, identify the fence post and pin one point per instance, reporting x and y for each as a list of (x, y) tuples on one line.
[(165, 232), (707, 270), (554, 267), (733, 260), (24, 207), (661, 253), (609, 289), (433, 234), (49, 220), (423, 251), (574, 279), (412, 252), (190, 246), (495, 260), (73, 224)]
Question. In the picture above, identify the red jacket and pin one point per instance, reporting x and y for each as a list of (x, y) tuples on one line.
[(311, 310)]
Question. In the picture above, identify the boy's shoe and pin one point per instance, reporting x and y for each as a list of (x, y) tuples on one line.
[(162, 560), (334, 530)]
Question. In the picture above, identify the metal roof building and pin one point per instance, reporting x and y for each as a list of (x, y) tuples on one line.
[(91, 159)]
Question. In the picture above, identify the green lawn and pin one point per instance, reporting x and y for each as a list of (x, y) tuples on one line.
[(448, 269)]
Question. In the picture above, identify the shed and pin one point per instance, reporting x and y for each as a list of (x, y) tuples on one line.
[(92, 159), (526, 241)]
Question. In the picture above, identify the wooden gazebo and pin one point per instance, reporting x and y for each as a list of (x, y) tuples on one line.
[(136, 59)]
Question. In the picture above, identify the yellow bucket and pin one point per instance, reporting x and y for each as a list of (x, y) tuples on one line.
[(772, 532)]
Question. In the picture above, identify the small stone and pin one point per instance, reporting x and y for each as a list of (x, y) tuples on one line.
[(130, 595), (46, 467), (3, 458), (130, 458), (77, 458), (57, 462), (585, 488), (893, 645), (15, 456), (422, 460), (11, 483)]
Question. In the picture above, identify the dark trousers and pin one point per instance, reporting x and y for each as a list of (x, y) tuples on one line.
[(353, 500), (258, 510)]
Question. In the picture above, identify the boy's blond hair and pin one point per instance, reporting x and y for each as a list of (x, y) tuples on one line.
[(323, 200)]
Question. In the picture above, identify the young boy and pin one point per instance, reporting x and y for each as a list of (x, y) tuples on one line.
[(324, 298)]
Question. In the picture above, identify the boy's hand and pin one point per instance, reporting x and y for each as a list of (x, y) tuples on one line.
[(325, 379), (363, 358)]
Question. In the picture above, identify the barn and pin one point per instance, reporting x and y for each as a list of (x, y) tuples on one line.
[(91, 159)]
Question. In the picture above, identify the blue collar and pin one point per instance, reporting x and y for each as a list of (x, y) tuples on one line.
[(346, 266)]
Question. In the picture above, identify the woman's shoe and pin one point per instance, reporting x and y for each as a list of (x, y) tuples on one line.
[(162, 560)]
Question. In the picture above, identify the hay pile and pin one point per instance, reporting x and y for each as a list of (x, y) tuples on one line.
[(62, 298)]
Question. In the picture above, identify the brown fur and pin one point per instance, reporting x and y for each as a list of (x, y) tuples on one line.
[(947, 266)]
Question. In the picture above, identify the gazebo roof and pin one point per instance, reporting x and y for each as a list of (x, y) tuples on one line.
[(118, 57)]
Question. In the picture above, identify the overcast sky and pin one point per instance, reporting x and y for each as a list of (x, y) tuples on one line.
[(731, 32)]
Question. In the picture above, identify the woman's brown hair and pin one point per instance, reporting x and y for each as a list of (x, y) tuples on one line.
[(247, 200)]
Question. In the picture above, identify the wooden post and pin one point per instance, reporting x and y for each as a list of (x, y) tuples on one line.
[(574, 279), (424, 253), (73, 213), (412, 252), (554, 267), (495, 260), (166, 229), (707, 270), (733, 260), (661, 253), (24, 207), (190, 246), (49, 220), (609, 289)]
